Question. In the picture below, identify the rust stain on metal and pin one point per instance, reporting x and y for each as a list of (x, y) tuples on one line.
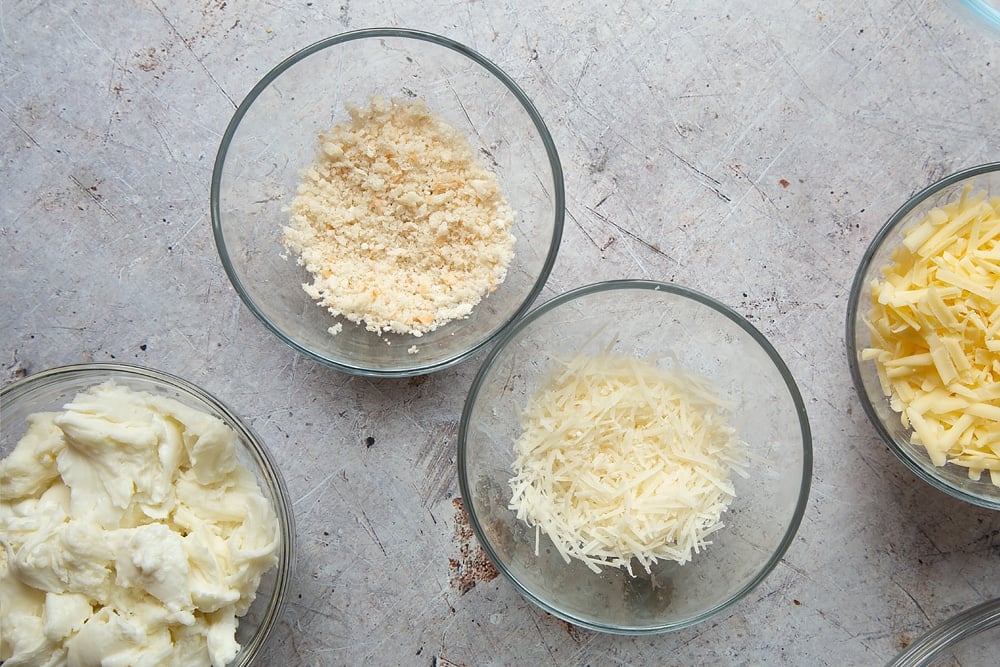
[(472, 565), (575, 633), (147, 60)]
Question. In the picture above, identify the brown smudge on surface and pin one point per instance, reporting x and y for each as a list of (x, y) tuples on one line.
[(14, 370), (784, 183), (472, 565), (147, 60), (575, 633)]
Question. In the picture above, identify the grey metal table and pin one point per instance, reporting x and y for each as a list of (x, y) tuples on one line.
[(748, 150)]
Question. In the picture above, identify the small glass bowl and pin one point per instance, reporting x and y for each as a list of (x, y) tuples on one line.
[(652, 321), (273, 136), (969, 639), (982, 13), (51, 389), (952, 479)]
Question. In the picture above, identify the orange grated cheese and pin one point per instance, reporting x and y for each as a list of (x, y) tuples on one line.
[(934, 321)]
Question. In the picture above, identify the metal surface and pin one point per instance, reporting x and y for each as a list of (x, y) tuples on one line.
[(748, 150)]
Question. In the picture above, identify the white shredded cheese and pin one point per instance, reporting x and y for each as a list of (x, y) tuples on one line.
[(620, 460), (398, 223), (935, 329)]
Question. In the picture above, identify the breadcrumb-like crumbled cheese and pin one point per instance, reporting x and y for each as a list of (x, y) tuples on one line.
[(398, 223)]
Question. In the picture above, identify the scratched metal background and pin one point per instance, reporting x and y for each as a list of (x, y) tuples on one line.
[(747, 149)]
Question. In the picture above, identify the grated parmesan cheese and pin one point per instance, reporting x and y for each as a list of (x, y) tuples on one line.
[(399, 225), (935, 329), (620, 460)]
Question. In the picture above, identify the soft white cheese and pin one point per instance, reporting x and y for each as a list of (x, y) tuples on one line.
[(131, 535)]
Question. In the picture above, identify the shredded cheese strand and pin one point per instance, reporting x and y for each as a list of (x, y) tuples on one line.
[(934, 323), (620, 460)]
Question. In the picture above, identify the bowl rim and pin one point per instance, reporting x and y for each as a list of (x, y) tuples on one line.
[(284, 571), (693, 295), (853, 312), (559, 197), (987, 15), (959, 627)]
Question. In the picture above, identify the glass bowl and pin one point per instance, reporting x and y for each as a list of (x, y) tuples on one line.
[(982, 13), (51, 389), (968, 639), (652, 321), (273, 136), (952, 479)]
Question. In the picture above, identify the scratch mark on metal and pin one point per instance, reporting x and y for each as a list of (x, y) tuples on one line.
[(916, 604), (465, 111), (370, 529), (582, 229), (20, 128), (187, 46), (583, 71), (714, 185), (319, 485), (170, 153), (437, 460), (194, 225), (627, 232), (72, 19), (114, 95), (541, 637), (97, 200)]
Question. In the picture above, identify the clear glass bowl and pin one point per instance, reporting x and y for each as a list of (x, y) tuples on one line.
[(983, 13), (950, 478), (50, 390), (968, 639), (651, 320), (274, 135)]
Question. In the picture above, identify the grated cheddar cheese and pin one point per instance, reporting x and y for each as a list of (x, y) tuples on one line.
[(935, 333), (620, 460), (398, 224)]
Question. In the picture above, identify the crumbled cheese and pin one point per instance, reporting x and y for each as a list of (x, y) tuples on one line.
[(935, 329), (620, 460), (398, 223)]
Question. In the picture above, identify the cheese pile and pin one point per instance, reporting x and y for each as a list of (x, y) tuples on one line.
[(620, 460), (130, 534), (935, 333), (398, 223)]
